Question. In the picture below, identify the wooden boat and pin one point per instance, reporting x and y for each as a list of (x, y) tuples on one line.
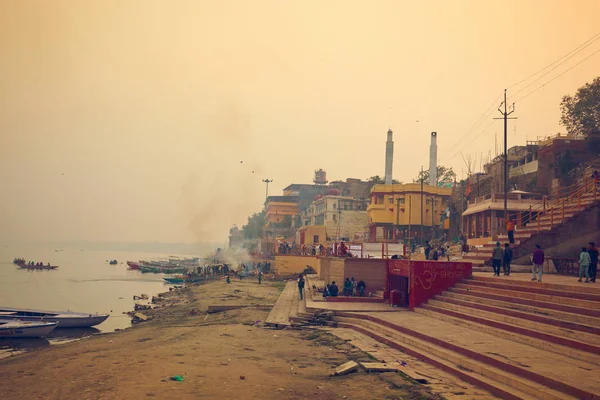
[(134, 265), (20, 329), (113, 262), (162, 270), (66, 319), (182, 279), (24, 264)]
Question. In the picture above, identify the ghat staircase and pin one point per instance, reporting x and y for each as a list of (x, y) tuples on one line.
[(514, 338), (554, 211)]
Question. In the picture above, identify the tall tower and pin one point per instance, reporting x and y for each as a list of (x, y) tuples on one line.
[(389, 157), (433, 160)]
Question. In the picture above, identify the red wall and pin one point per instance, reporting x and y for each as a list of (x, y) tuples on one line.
[(428, 278)]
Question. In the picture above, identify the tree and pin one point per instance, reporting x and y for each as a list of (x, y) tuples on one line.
[(445, 175), (254, 228), (581, 113), (377, 180)]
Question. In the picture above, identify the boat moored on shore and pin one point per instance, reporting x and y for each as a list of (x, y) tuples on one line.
[(25, 329), (66, 319)]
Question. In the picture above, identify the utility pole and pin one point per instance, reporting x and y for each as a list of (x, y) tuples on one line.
[(397, 218), (505, 115), (422, 179), (267, 181)]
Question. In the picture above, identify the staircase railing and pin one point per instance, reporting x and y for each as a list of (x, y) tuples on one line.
[(555, 204)]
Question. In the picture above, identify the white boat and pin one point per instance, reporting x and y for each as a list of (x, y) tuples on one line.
[(19, 329), (66, 319)]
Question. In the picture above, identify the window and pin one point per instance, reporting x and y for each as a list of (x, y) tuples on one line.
[(334, 206), (334, 218), (401, 200), (391, 200), (316, 239)]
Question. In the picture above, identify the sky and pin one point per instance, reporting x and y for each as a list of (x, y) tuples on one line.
[(152, 120)]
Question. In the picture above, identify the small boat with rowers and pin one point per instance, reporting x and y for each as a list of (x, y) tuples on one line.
[(25, 329), (33, 265), (66, 319), (113, 262)]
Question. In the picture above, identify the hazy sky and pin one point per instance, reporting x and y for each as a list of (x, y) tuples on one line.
[(127, 120)]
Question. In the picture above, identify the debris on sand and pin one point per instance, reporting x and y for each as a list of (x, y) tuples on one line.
[(346, 368)]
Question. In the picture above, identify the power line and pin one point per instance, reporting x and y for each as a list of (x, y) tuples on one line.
[(590, 40), (478, 122), (472, 140), (557, 76), (552, 69)]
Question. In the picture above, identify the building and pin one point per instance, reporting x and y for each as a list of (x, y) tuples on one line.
[(333, 217), (484, 218), (396, 209), (352, 187), (279, 211)]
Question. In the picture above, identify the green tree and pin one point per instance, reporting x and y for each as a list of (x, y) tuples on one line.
[(580, 114), (254, 228), (444, 175), (377, 180)]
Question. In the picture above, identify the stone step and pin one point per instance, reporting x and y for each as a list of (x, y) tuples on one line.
[(533, 288), (538, 303), (514, 269), (557, 299), (498, 382), (552, 333), (530, 317), (481, 326), (569, 288), (436, 337), (527, 308)]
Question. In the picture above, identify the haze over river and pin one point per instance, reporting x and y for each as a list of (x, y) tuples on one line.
[(84, 281)]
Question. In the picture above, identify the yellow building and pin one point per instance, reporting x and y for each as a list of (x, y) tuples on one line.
[(394, 209), (279, 211)]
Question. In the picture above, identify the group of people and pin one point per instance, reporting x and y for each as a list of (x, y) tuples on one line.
[(588, 263), (502, 257), (351, 288), (436, 251)]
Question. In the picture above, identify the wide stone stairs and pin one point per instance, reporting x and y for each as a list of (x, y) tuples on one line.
[(516, 339), (548, 216)]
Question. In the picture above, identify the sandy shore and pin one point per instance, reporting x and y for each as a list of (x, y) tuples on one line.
[(221, 355)]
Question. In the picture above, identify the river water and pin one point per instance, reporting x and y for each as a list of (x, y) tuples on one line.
[(84, 281)]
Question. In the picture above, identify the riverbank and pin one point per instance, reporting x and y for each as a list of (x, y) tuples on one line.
[(220, 355)]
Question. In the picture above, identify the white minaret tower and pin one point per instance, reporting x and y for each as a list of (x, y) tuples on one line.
[(433, 160), (389, 157)]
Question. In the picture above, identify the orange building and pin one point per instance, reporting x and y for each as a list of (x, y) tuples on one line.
[(280, 211)]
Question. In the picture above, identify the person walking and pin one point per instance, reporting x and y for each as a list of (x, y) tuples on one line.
[(593, 252), (510, 230), (538, 263), (497, 256), (506, 260), (301, 285), (584, 265), (259, 277)]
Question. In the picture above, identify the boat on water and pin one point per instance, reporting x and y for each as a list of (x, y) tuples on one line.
[(25, 329), (162, 270), (113, 262), (31, 265), (66, 319), (182, 279), (134, 265)]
